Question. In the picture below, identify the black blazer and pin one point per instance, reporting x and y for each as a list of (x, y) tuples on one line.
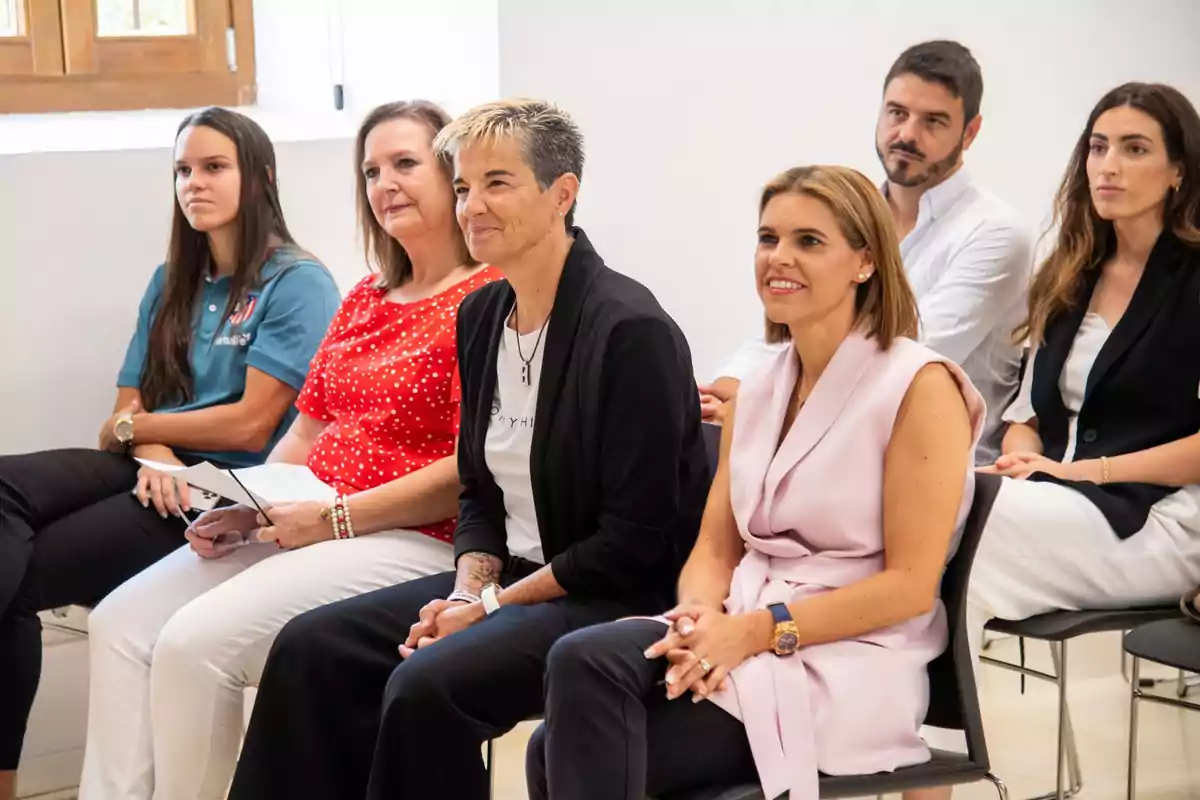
[(1142, 390), (618, 463)]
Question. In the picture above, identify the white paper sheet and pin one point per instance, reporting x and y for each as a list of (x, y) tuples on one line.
[(266, 485)]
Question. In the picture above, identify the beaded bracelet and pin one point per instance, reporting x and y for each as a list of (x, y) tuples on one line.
[(343, 516), (339, 517)]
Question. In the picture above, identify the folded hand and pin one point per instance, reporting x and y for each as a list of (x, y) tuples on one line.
[(703, 646)]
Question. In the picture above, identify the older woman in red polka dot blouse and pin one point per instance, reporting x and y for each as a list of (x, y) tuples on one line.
[(172, 648)]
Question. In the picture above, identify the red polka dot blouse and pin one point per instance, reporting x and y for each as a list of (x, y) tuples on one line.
[(385, 379)]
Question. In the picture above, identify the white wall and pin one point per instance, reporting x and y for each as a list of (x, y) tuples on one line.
[(381, 50), (689, 106), (80, 235), (85, 200)]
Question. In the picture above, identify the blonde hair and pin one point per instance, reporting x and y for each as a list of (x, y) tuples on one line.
[(885, 307), (550, 140)]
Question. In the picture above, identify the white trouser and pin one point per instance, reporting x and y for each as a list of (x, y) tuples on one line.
[(173, 648), (1047, 548)]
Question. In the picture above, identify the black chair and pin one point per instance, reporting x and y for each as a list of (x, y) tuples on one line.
[(953, 701), (1174, 642), (1057, 628)]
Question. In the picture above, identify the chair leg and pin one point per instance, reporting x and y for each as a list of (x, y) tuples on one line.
[(1073, 769), (1066, 749), (491, 759), (1021, 651), (1062, 719), (1001, 789), (1133, 728)]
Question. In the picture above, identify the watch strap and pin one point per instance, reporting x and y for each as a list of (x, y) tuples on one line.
[(491, 602), (780, 613)]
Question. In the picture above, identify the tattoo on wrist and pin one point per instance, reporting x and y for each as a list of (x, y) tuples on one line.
[(476, 570)]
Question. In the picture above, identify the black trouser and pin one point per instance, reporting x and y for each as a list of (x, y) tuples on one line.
[(338, 715), (610, 732), (70, 533)]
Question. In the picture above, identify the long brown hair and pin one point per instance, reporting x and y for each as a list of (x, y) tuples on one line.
[(1084, 240), (382, 251), (885, 306), (167, 375)]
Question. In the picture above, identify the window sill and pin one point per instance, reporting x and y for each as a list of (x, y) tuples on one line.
[(106, 131)]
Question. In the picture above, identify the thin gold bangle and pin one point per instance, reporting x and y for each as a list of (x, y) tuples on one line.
[(1105, 475)]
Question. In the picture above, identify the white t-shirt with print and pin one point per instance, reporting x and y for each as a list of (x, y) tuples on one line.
[(510, 437)]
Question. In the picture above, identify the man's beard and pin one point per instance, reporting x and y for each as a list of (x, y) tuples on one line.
[(906, 175)]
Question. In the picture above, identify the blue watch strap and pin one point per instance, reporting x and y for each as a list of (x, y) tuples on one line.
[(780, 612)]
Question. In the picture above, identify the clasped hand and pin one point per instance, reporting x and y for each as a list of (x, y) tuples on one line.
[(701, 637), (439, 619)]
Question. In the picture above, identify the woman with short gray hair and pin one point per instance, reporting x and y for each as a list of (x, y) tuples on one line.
[(584, 474)]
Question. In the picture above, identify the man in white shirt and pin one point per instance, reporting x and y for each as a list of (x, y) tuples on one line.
[(966, 255)]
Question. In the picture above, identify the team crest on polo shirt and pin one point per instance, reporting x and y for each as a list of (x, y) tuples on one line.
[(243, 310)]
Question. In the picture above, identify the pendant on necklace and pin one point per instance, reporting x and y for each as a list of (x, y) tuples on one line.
[(525, 373)]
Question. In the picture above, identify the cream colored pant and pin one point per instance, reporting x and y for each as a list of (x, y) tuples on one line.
[(1047, 548), (173, 648)]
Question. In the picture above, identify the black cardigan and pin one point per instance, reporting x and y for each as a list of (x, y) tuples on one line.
[(1142, 390), (618, 463)]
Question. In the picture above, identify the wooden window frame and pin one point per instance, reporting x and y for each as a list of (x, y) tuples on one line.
[(60, 64)]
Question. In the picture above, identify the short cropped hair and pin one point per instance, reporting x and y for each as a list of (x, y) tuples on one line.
[(550, 140), (947, 63)]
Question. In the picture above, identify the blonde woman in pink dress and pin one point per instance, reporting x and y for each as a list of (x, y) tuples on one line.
[(809, 607)]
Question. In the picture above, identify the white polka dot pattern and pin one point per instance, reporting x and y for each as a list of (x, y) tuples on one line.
[(386, 380)]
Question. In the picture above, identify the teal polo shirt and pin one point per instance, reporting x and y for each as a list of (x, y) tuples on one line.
[(276, 330)]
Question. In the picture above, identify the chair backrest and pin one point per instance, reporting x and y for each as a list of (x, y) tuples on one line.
[(953, 697)]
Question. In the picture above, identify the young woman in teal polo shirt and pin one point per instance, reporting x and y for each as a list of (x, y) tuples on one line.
[(224, 336)]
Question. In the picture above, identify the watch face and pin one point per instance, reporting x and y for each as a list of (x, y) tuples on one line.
[(786, 643), (123, 430)]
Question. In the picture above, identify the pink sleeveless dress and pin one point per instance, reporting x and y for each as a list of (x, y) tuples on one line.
[(811, 515)]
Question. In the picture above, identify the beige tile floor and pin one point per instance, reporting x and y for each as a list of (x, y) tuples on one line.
[(1021, 731)]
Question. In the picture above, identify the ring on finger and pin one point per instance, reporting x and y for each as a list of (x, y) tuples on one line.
[(705, 666)]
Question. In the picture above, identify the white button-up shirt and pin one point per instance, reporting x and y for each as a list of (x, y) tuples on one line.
[(969, 262)]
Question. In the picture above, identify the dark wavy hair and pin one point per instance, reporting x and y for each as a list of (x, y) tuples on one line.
[(1084, 239), (167, 378)]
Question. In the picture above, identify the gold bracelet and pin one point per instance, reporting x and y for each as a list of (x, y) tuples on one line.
[(1105, 475)]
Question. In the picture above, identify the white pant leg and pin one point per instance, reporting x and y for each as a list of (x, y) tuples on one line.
[(217, 645), (122, 632), (1047, 548)]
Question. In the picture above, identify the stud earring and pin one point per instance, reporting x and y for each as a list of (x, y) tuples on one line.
[(862, 276)]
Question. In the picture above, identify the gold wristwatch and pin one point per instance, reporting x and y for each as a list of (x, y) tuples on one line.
[(123, 429), (786, 637)]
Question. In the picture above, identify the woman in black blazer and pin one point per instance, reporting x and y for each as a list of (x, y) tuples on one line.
[(1103, 507), (584, 476)]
